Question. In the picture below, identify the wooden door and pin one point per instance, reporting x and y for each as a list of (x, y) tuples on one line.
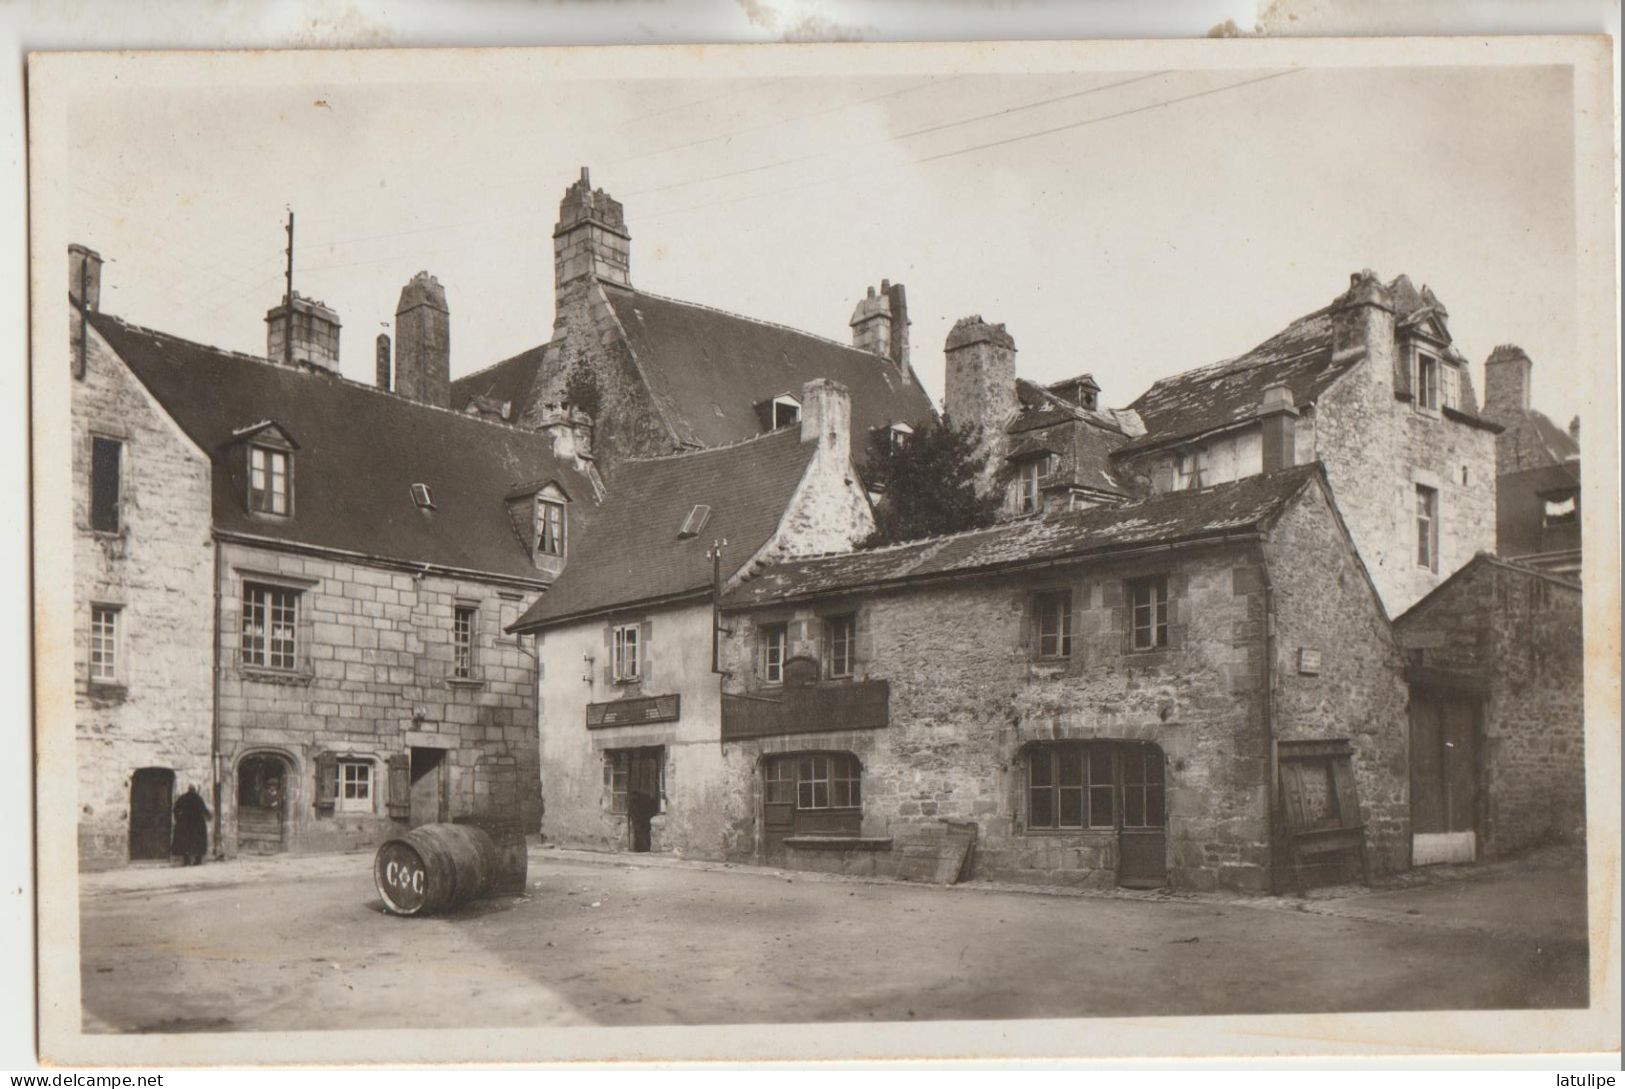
[(778, 805), (152, 794), (643, 794), (1459, 742), (428, 791), (1142, 838), (1427, 768)]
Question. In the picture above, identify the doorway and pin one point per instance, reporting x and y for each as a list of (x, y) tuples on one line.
[(152, 794), (262, 804), (428, 786), (637, 783), (1142, 835), (1444, 778), (809, 794)]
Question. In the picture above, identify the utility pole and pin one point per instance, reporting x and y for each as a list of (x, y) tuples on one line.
[(287, 300)]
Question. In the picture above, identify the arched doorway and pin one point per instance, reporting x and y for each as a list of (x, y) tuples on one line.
[(152, 793), (263, 781)]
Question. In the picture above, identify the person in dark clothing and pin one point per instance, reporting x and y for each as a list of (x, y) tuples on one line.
[(191, 838)]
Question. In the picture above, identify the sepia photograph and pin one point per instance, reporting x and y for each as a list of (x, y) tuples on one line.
[(1032, 549)]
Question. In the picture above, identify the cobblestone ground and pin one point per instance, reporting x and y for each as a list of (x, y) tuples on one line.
[(303, 943)]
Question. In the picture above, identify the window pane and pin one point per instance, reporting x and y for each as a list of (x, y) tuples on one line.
[(1071, 807), (1070, 759), (1039, 768), (1041, 808), (1134, 806), (1153, 806), (1100, 766), (1100, 807), (105, 457), (804, 794)]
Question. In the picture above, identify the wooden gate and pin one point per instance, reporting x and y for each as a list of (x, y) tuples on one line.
[(152, 793)]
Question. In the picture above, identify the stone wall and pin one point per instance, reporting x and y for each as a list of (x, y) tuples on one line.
[(156, 569), (1324, 604), (586, 333), (1519, 633), (373, 680)]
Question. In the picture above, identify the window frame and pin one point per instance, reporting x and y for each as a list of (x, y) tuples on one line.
[(1427, 527), (343, 802), (790, 405), (1102, 794), (1428, 390), (263, 500), (1156, 604), (1054, 603), (116, 514), (114, 644), (624, 638), (465, 641), (835, 627), (1029, 492), (546, 509), (266, 657), (774, 637), (839, 774)]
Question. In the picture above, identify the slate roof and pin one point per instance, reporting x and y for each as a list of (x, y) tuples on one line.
[(709, 368), (1084, 440), (1560, 445), (359, 452), (1168, 518), (631, 553), (1228, 393), (508, 382)]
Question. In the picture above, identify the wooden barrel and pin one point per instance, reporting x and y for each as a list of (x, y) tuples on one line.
[(512, 853), (435, 867)]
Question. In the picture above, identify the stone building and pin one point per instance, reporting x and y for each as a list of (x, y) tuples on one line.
[(629, 693), (1494, 656), (293, 587), (1104, 694), (672, 376), (1370, 386), (1537, 467)]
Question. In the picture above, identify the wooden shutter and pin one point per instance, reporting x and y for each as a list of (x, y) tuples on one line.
[(1402, 371), (327, 770), (400, 786), (645, 644)]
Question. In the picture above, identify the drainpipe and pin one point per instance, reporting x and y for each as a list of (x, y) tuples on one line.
[(1268, 640), (214, 716)]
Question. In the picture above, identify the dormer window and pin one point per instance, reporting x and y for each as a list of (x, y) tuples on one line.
[(786, 411), (1027, 497), (1427, 382), (268, 480), (549, 527), (422, 497), (898, 434)]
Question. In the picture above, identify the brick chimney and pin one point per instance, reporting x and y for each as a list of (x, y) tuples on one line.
[(84, 277), (1507, 375), (1279, 417), (590, 239), (383, 361), (880, 325), (826, 417), (423, 342), (981, 380), (315, 333)]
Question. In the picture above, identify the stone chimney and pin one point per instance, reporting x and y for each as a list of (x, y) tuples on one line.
[(826, 417), (84, 277), (590, 239), (423, 342), (880, 325), (383, 361), (315, 333), (1574, 428), (569, 428), (1507, 374), (1363, 324), (1279, 417), (981, 381)]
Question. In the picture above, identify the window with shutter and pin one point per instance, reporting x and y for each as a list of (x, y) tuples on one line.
[(400, 786), (326, 782)]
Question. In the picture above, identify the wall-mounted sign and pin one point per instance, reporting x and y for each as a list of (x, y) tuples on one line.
[(633, 711), (1308, 661)]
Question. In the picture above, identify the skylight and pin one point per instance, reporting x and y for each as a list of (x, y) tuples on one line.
[(422, 497), (695, 521)]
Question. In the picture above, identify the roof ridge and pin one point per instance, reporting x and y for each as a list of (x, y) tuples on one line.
[(755, 321), (775, 433), (311, 370)]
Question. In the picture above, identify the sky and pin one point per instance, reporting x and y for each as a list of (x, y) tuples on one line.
[(1132, 224)]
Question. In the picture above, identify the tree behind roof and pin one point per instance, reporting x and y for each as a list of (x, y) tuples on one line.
[(928, 484)]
